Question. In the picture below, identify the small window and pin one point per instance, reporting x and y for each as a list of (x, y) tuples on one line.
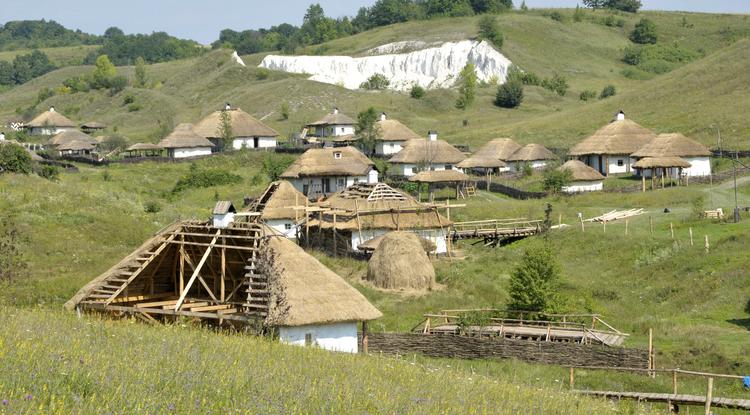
[(342, 129), (449, 167), (620, 162), (341, 182), (288, 226), (337, 155), (308, 339)]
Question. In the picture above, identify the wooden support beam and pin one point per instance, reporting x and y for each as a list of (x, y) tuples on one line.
[(197, 270), (101, 306), (156, 303), (211, 307), (200, 279)]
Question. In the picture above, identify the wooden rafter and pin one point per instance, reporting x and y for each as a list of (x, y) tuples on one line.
[(197, 269)]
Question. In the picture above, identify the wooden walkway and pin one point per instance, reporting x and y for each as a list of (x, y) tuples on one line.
[(493, 231), (677, 399)]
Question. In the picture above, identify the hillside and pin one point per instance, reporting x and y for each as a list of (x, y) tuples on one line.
[(586, 53)]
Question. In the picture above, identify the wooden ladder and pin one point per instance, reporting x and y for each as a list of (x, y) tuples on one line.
[(471, 190), (260, 204), (256, 284)]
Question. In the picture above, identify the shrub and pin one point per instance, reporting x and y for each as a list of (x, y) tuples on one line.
[(197, 178), (587, 95), (117, 84), (134, 107), (113, 142), (468, 86), (128, 99), (534, 281), (284, 111), (608, 91), (632, 55), (377, 81), (489, 31), (14, 158), (644, 32), (417, 92), (12, 263), (556, 16), (274, 165), (151, 207), (262, 74), (48, 172), (554, 180), (557, 84), (44, 94), (527, 170), (509, 94)]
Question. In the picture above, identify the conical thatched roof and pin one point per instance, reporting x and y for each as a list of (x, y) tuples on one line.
[(75, 145), (50, 118), (661, 162), (309, 292), (442, 176), (144, 146), (499, 148), (70, 136), (672, 145), (378, 206), (478, 161), (419, 151), (325, 162), (394, 130), (278, 205), (183, 136), (616, 138), (400, 262), (334, 118), (243, 125), (580, 171), (531, 152)]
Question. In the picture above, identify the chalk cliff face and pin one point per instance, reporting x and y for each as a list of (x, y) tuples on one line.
[(433, 67)]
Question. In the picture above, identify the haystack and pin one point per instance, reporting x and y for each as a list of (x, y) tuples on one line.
[(401, 263)]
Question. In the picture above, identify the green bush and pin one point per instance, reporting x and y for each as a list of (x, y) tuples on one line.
[(377, 81), (262, 74), (587, 95), (489, 31), (128, 99), (554, 180), (134, 107), (151, 207), (556, 16), (44, 94), (48, 172), (535, 280), (509, 94), (608, 91), (275, 164), (557, 84), (197, 178), (636, 74), (14, 158), (417, 92), (644, 32)]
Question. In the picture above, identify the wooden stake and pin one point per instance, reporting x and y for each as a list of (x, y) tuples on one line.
[(651, 351), (559, 220), (448, 209), (335, 247), (604, 226), (365, 339), (626, 226), (583, 228), (572, 378), (690, 230), (709, 395), (222, 289), (707, 246), (671, 230), (651, 224), (643, 179), (674, 382), (307, 223), (182, 265)]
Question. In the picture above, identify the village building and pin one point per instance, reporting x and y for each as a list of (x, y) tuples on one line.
[(279, 208), (392, 136), (323, 171), (50, 122), (183, 142), (142, 150), (334, 127), (608, 150), (421, 155), (499, 149), (481, 164), (535, 155), (362, 212), (583, 178), (434, 178), (677, 145), (75, 148), (93, 127), (661, 168), (70, 136), (223, 214), (247, 131)]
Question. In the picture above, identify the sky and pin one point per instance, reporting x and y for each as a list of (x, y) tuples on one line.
[(203, 20)]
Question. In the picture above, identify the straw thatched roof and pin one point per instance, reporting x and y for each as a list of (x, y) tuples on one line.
[(400, 262), (499, 148), (334, 118), (144, 146), (478, 161), (442, 176), (75, 145), (378, 206), (70, 136), (672, 145), (394, 130), (419, 151), (309, 292), (279, 204), (661, 162), (347, 138), (531, 152), (580, 171), (50, 118), (374, 243), (616, 138), (243, 125), (93, 125), (183, 136), (324, 162)]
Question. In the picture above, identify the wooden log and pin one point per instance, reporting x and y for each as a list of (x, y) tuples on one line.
[(706, 245), (709, 395), (671, 230), (572, 378)]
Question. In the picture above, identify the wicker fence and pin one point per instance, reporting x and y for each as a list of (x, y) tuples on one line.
[(464, 347)]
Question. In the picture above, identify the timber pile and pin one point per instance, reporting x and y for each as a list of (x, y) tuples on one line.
[(616, 215), (714, 214)]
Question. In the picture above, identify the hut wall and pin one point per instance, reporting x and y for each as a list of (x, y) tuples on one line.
[(339, 337), (580, 187), (249, 142), (699, 166), (436, 236), (179, 153), (387, 148), (614, 162), (535, 164), (49, 130), (409, 170), (285, 227)]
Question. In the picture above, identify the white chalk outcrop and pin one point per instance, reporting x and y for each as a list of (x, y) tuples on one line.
[(237, 59), (434, 67)]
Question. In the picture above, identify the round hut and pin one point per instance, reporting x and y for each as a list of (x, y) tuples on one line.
[(653, 167), (535, 155), (436, 177), (583, 177), (400, 263), (676, 145)]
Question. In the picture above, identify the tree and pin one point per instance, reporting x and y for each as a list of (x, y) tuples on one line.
[(453, 8), (595, 4), (557, 84), (554, 180), (14, 158), (6, 73), (375, 82), (467, 90), (284, 110), (578, 14), (367, 130), (534, 281), (630, 6), (140, 72), (103, 74), (117, 84), (644, 32), (385, 12), (608, 91), (416, 92), (488, 30), (509, 94), (524, 8), (224, 130), (490, 6), (30, 66)]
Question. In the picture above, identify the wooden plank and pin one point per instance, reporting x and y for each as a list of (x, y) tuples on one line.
[(141, 298), (211, 307), (102, 306), (197, 270), (156, 303)]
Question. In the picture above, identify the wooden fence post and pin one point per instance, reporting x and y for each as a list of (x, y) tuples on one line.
[(707, 246), (604, 226), (583, 228), (572, 378), (709, 395), (651, 352), (671, 230), (674, 382), (651, 224), (626, 226), (691, 236)]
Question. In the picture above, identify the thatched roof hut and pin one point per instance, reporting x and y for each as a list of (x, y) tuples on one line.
[(75, 146), (144, 147), (339, 161), (672, 145), (50, 118), (441, 176), (183, 136), (93, 126), (279, 202), (400, 263), (309, 293), (394, 130), (620, 137), (66, 137), (422, 151), (243, 125), (581, 172), (481, 161), (532, 152), (661, 162), (499, 148), (333, 118)]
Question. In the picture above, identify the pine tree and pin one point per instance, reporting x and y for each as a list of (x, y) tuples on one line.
[(468, 89), (225, 130), (534, 281)]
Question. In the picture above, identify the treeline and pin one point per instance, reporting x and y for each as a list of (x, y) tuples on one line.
[(157, 47), (34, 34), (318, 28), (24, 68)]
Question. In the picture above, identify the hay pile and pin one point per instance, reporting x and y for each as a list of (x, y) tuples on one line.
[(400, 263)]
